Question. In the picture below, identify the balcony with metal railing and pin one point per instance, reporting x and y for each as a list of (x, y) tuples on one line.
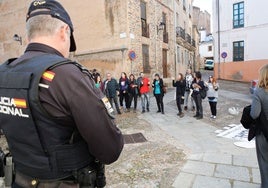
[(185, 39), (180, 32), (188, 38), (193, 43)]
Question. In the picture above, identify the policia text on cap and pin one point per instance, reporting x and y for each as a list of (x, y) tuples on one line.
[(58, 129)]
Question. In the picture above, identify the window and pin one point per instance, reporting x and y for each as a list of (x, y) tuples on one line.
[(143, 10), (145, 58), (238, 15), (238, 51), (209, 48), (165, 34), (144, 25)]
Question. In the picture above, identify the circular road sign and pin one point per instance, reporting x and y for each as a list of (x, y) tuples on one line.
[(223, 55), (132, 55)]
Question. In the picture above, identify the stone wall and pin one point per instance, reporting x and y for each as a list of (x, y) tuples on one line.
[(102, 33)]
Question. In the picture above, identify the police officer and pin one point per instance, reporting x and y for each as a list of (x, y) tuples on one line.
[(58, 126)]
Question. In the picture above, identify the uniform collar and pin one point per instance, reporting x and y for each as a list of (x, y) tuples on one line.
[(42, 48)]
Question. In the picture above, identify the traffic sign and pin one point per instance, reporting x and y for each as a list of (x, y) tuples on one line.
[(132, 55), (223, 55)]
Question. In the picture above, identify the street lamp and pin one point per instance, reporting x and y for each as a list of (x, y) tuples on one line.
[(18, 38), (160, 27)]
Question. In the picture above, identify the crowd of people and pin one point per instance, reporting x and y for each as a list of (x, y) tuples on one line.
[(128, 89), (189, 88), (125, 90)]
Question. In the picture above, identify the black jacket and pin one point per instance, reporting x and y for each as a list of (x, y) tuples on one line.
[(161, 84), (200, 83), (180, 87), (133, 90), (67, 102), (110, 88)]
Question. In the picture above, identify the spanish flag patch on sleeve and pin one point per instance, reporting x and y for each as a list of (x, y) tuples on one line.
[(20, 103), (48, 75)]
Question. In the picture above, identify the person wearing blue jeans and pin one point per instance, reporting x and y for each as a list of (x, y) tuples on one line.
[(144, 85), (145, 102)]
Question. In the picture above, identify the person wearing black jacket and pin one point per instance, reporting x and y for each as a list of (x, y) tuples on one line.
[(198, 85), (133, 92), (158, 86), (180, 89), (123, 91), (111, 90)]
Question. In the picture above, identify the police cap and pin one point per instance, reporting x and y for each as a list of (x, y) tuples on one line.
[(56, 10)]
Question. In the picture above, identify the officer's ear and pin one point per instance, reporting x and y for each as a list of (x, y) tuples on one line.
[(65, 32)]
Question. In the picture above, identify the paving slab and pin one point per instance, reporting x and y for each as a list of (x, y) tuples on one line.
[(256, 177), (238, 184), (199, 168), (232, 172), (247, 161), (219, 158), (184, 180), (211, 182)]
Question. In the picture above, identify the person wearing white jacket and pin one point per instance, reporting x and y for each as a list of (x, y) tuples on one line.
[(212, 95)]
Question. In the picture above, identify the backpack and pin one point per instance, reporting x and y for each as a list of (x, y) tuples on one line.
[(203, 92)]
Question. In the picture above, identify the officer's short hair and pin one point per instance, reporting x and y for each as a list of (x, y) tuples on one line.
[(42, 25)]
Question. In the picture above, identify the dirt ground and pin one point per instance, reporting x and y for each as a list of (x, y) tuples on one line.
[(149, 164)]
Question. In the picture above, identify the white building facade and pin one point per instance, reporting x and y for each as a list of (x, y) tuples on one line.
[(240, 33)]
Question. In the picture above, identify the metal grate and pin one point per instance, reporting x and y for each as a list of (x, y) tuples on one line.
[(134, 138)]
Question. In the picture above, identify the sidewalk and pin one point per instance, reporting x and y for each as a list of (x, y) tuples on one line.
[(212, 162)]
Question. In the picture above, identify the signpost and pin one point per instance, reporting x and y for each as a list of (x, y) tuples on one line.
[(132, 56), (224, 55)]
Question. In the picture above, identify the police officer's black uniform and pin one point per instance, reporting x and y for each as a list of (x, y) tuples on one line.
[(53, 116)]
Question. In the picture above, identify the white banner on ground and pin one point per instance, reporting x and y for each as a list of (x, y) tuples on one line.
[(237, 132)]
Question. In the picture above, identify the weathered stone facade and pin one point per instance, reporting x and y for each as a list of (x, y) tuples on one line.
[(201, 19), (106, 31)]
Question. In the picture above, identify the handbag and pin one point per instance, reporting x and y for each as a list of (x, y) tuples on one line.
[(249, 123), (254, 125), (203, 92)]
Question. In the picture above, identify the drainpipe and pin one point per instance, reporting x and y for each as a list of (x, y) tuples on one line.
[(156, 36), (175, 38), (219, 40)]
